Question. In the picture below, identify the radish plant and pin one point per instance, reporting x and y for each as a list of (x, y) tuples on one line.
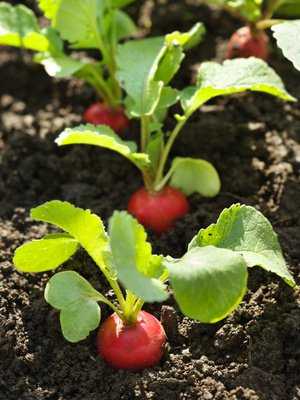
[(145, 69), (258, 15), (74, 24), (208, 281)]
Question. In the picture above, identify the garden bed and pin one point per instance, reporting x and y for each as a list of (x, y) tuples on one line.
[(253, 140)]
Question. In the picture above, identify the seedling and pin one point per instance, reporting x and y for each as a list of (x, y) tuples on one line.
[(145, 69), (258, 15), (208, 282), (75, 24)]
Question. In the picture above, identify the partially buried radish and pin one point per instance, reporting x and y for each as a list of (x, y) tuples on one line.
[(102, 114), (245, 43), (158, 210), (132, 347), (207, 282)]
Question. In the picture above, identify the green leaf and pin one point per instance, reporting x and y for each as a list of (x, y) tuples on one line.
[(154, 148), (54, 60), (176, 43), (60, 67), (208, 282), (170, 64), (103, 136), (189, 39), (288, 9), (145, 66), (168, 98), (121, 3), (78, 21), (234, 76), (133, 260), (44, 254), (19, 28), (195, 176), (287, 35), (137, 63), (49, 7), (125, 26), (77, 301), (246, 231), (82, 225)]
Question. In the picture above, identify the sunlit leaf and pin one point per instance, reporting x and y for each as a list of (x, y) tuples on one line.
[(77, 301), (103, 136), (135, 265), (246, 231), (45, 254)]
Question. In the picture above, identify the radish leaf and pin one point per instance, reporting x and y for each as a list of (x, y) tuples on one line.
[(45, 254), (145, 66), (103, 136), (77, 301), (77, 21), (288, 9), (133, 260), (54, 60), (208, 282), (19, 28), (246, 231), (287, 35), (49, 7), (195, 176), (124, 25), (233, 76), (82, 225)]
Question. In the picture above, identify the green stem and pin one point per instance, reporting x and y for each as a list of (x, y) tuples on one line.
[(110, 279), (138, 307), (104, 87), (160, 170), (148, 181), (129, 315), (118, 292), (111, 305), (144, 132), (267, 23), (270, 9), (110, 63), (161, 184)]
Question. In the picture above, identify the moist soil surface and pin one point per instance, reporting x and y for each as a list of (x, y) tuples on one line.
[(253, 141)]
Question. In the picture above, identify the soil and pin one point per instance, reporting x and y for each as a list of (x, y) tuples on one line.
[(253, 141)]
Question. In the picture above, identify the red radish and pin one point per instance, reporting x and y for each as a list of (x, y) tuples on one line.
[(133, 347), (158, 211), (102, 114), (243, 43)]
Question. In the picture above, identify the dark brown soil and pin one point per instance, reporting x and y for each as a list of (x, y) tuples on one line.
[(253, 140)]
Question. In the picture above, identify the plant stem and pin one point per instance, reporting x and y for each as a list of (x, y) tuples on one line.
[(110, 63), (267, 23), (111, 305), (104, 88), (160, 170), (110, 279), (148, 181), (138, 307), (145, 136), (129, 315), (270, 9), (144, 132), (118, 292)]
